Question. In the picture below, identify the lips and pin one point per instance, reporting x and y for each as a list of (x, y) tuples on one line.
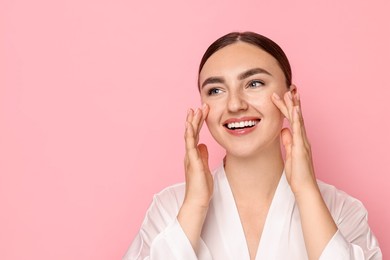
[(241, 125)]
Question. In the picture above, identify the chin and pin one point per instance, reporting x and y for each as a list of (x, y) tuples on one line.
[(246, 150), (242, 150)]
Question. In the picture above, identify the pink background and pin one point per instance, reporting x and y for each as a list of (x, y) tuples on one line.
[(93, 97)]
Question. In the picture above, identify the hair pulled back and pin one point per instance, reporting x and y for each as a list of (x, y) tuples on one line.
[(255, 39)]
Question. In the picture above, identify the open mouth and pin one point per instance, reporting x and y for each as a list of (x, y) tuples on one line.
[(241, 124)]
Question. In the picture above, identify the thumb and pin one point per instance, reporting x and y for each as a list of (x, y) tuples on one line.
[(204, 155)]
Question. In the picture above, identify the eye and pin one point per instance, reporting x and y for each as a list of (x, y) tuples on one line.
[(214, 91), (255, 84)]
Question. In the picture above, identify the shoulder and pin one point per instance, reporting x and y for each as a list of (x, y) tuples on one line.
[(341, 205)]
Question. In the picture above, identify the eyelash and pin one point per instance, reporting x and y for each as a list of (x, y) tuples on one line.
[(216, 91), (212, 91), (255, 81)]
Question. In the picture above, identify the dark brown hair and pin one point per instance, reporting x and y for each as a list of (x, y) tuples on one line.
[(255, 39)]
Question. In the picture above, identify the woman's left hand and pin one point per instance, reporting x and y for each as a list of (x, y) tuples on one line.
[(299, 164), (318, 225)]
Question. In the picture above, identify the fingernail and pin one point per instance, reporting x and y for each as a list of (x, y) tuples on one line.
[(276, 96), (289, 95), (297, 96)]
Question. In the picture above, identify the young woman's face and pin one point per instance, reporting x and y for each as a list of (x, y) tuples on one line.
[(237, 83)]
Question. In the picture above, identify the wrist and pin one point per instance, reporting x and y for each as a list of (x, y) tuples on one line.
[(309, 191), (193, 209), (191, 219)]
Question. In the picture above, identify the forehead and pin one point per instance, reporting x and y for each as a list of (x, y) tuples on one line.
[(238, 57)]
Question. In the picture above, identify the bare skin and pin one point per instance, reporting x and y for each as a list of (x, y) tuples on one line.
[(254, 169)]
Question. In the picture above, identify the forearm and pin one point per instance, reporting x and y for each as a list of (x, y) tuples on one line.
[(191, 220), (317, 223)]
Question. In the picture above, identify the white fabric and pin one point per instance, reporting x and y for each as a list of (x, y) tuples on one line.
[(161, 236)]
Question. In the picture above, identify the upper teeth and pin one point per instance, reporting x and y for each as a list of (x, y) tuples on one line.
[(241, 124)]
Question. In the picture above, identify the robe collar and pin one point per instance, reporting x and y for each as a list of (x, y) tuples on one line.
[(228, 219)]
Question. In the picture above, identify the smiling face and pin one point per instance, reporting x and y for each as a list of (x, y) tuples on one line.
[(237, 83)]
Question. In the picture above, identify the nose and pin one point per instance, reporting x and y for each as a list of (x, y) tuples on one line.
[(236, 102)]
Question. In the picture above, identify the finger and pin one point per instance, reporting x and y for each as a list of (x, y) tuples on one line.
[(205, 111), (289, 104), (196, 120), (204, 155), (289, 97), (298, 134), (188, 132), (287, 141), (296, 98), (190, 115), (279, 103), (297, 102), (294, 109), (192, 155), (190, 142)]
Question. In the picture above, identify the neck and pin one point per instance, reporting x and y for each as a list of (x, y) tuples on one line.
[(255, 177)]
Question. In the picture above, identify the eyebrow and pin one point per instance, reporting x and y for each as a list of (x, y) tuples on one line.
[(213, 80), (251, 72), (243, 75)]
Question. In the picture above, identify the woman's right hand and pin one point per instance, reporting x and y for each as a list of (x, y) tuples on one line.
[(199, 181)]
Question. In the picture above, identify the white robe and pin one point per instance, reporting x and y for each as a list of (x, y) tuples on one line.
[(161, 236)]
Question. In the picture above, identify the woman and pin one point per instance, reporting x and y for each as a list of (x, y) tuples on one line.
[(256, 205)]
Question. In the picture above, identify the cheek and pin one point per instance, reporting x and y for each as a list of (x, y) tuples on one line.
[(212, 116), (208, 120), (274, 111), (215, 108), (265, 106), (262, 103)]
